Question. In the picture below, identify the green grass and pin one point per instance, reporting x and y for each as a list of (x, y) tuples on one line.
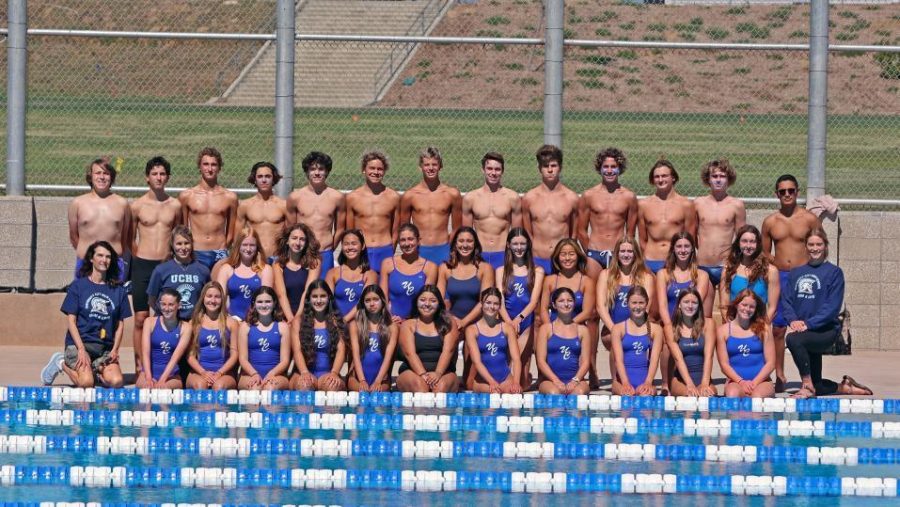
[(61, 138)]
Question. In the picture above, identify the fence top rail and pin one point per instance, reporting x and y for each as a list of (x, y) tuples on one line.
[(454, 40), (53, 32), (251, 191)]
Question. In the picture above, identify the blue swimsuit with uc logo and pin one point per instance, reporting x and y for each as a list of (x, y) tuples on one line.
[(264, 348), (323, 349), (745, 355), (494, 351), (346, 293), (402, 288), (162, 344), (212, 354), (619, 309), (563, 354), (517, 299), (239, 291), (636, 356), (373, 357)]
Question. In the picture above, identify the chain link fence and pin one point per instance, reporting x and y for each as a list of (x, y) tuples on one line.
[(136, 98)]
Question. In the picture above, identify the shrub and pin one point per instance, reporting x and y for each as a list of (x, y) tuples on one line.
[(716, 33), (497, 20), (597, 59)]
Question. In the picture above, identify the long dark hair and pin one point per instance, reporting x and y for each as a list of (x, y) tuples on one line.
[(253, 314), (112, 272), (309, 256), (363, 321), (363, 251), (678, 318), (453, 261), (508, 259), (334, 323), (441, 322), (760, 267)]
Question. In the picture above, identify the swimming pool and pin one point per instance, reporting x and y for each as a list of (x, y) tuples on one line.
[(128, 446)]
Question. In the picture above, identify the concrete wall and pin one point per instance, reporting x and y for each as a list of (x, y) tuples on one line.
[(34, 242)]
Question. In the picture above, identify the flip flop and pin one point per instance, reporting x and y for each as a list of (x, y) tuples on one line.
[(853, 383)]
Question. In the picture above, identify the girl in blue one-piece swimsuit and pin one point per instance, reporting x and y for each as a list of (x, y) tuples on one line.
[(561, 349), (373, 341), (636, 345), (319, 354), (521, 282), (493, 349)]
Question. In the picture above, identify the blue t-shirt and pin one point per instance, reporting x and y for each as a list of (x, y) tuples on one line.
[(187, 279), (98, 308), (814, 295)]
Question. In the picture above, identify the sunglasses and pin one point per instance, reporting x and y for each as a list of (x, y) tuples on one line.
[(786, 191)]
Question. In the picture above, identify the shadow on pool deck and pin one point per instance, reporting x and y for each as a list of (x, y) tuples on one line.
[(21, 365)]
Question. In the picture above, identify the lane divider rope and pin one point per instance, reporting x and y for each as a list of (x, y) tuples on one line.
[(444, 449), (601, 402), (449, 480), (445, 423)]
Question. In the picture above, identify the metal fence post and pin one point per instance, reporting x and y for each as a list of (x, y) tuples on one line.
[(553, 72), (284, 95), (818, 99), (16, 51)]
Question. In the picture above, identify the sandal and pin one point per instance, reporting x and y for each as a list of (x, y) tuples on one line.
[(848, 380), (804, 393)]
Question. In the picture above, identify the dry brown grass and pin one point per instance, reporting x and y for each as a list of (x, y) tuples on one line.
[(652, 80)]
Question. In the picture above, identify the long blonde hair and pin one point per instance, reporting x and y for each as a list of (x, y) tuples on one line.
[(200, 312), (638, 269)]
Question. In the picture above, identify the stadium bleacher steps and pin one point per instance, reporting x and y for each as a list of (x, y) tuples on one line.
[(336, 74)]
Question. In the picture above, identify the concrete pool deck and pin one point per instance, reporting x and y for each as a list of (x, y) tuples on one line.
[(21, 365)]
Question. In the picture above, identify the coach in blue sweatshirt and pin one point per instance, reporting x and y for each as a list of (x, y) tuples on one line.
[(812, 303)]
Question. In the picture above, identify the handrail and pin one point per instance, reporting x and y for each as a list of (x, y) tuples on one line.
[(386, 70), (238, 56)]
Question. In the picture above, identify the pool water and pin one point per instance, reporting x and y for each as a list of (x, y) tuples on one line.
[(124, 446)]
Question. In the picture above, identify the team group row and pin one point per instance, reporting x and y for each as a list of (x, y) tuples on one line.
[(371, 215)]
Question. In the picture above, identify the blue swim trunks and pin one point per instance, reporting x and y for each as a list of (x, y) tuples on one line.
[(654, 266), (123, 269), (326, 257), (547, 264), (377, 255), (210, 257), (715, 274), (601, 257), (783, 279), (437, 254), (495, 259)]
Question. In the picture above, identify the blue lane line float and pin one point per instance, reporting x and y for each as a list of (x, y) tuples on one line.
[(450, 400)]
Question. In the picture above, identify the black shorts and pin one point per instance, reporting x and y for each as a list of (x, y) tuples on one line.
[(141, 269)]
